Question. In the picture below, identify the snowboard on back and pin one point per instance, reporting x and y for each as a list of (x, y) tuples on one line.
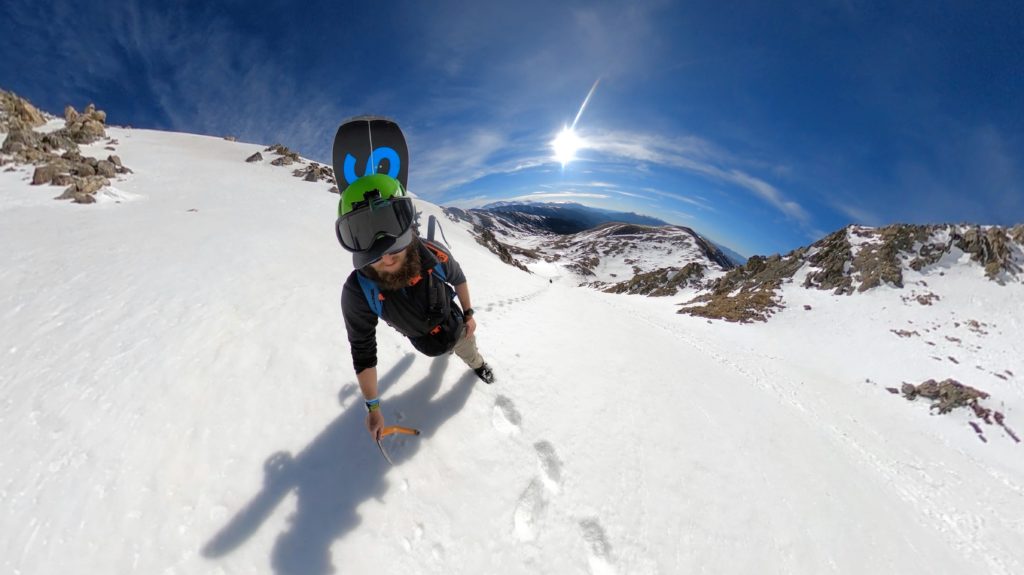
[(366, 145)]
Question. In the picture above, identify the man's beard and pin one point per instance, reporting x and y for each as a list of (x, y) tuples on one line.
[(397, 280)]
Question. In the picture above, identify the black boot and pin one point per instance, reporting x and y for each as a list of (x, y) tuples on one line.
[(484, 372)]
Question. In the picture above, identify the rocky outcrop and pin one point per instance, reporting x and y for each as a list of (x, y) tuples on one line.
[(56, 155), (950, 394), (16, 109), (661, 282), (286, 155), (856, 259), (87, 127), (313, 172), (747, 293), (993, 248)]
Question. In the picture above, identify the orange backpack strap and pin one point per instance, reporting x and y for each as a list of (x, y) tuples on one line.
[(438, 252)]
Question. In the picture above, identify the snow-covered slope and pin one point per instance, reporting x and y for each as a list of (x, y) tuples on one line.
[(177, 396)]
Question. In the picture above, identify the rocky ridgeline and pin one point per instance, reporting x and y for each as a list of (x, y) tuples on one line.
[(56, 155), (855, 259), (313, 172)]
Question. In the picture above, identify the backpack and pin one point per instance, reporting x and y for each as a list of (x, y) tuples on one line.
[(443, 314)]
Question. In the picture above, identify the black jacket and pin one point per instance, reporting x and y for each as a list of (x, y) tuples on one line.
[(408, 311)]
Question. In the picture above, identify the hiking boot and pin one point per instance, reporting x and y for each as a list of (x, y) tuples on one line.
[(484, 372)]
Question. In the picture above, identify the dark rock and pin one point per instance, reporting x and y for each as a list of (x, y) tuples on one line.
[(830, 256), (83, 168), (63, 180), (58, 140), (20, 136), (257, 157), (947, 395), (106, 169), (83, 186), (44, 174), (990, 248)]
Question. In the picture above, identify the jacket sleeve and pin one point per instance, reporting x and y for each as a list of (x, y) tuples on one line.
[(360, 323)]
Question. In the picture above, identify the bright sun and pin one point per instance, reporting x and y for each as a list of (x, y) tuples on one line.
[(565, 146)]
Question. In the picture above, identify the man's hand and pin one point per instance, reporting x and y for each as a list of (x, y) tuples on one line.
[(375, 424), (470, 326)]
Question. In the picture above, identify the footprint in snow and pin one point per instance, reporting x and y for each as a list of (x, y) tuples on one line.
[(550, 465), (408, 543), (529, 511), (599, 551), (506, 418)]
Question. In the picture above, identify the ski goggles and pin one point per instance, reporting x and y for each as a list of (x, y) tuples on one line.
[(358, 229)]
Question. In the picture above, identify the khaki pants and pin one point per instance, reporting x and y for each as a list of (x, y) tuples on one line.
[(465, 348)]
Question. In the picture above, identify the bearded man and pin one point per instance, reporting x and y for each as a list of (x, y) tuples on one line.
[(409, 282)]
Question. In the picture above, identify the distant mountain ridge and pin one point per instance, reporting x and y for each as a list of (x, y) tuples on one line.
[(571, 217)]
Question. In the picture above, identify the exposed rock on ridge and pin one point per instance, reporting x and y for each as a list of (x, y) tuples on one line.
[(856, 259), (56, 154)]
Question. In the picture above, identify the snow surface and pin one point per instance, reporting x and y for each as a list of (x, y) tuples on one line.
[(178, 397)]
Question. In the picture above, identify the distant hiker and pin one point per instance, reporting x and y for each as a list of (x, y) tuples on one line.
[(408, 281)]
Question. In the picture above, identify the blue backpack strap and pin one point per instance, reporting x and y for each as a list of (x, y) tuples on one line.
[(372, 293)]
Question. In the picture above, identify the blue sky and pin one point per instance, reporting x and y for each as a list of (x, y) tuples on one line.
[(763, 125)]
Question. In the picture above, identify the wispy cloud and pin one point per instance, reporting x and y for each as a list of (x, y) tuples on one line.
[(459, 160), (696, 156), (567, 195)]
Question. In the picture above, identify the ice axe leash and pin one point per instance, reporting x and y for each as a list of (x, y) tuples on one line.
[(390, 430)]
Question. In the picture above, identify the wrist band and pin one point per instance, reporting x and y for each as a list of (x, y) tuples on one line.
[(468, 312), (373, 405)]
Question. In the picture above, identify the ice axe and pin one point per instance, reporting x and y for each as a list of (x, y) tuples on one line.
[(392, 429)]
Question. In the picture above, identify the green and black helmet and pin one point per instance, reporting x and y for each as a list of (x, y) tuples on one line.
[(375, 217)]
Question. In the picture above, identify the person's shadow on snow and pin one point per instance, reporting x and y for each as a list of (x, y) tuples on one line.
[(337, 471)]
